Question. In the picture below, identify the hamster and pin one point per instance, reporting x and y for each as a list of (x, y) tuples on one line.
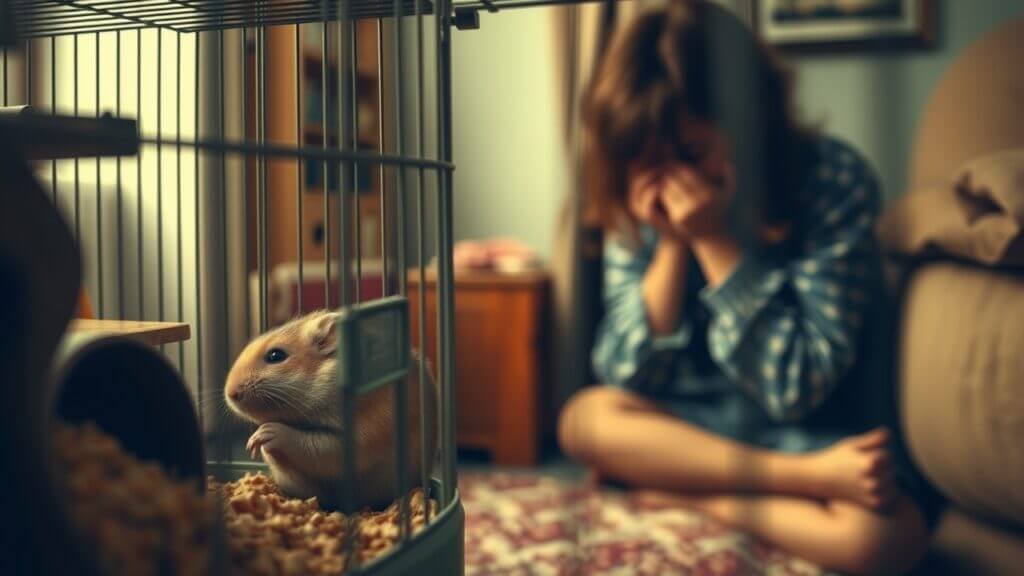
[(286, 382)]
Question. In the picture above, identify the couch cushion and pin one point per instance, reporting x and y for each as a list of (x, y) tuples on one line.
[(962, 385), (974, 108)]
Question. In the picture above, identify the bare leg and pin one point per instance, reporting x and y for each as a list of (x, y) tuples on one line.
[(836, 535), (626, 437)]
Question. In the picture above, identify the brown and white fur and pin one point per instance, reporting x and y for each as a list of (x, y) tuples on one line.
[(286, 381)]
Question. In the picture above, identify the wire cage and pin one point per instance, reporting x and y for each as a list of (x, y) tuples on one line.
[(227, 165)]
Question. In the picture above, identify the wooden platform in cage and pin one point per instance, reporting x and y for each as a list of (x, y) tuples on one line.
[(154, 333)]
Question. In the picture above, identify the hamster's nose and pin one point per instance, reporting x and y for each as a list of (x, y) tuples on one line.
[(235, 393)]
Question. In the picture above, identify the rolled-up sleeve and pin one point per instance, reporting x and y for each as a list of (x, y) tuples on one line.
[(787, 332), (625, 352)]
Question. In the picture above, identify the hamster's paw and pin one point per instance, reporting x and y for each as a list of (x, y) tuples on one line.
[(270, 437)]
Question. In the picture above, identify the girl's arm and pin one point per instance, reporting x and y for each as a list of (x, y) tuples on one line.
[(663, 286), (643, 292), (787, 333)]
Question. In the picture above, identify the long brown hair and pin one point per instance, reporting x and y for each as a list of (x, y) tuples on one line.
[(693, 59)]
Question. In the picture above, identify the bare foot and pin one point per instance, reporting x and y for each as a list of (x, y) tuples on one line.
[(857, 469)]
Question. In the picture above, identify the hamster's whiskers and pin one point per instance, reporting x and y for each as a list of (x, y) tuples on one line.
[(211, 402), (288, 400)]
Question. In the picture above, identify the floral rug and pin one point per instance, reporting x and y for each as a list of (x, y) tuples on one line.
[(535, 525)]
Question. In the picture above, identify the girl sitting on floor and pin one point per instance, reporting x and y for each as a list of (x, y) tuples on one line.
[(741, 351)]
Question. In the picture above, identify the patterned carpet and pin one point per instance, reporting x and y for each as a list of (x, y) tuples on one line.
[(525, 524)]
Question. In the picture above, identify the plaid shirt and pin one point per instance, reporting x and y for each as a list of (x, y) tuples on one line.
[(784, 332)]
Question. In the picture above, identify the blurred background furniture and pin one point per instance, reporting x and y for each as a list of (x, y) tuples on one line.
[(501, 338), (961, 371)]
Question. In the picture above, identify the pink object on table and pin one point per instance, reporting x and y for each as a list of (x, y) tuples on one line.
[(499, 254)]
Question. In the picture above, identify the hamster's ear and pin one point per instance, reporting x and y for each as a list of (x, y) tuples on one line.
[(325, 336)]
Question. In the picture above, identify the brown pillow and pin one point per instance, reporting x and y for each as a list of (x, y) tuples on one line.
[(979, 216)]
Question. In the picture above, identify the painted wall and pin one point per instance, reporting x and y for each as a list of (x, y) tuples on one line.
[(512, 168), (875, 100)]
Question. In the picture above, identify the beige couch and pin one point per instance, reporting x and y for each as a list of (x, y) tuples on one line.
[(961, 361)]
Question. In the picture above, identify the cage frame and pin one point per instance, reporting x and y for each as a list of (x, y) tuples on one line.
[(49, 20)]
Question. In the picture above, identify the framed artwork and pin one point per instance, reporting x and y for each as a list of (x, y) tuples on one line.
[(815, 25)]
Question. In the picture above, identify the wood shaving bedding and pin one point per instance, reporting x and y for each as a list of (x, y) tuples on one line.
[(132, 515), (139, 520), (272, 534)]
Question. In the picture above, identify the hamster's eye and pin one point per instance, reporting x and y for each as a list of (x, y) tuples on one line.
[(275, 356)]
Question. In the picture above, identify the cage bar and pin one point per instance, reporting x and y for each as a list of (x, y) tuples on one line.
[(401, 392), (353, 66), (177, 181), (78, 199), (53, 112), (159, 178), (200, 377), (299, 141), (425, 385), (120, 193), (138, 184), (343, 104)]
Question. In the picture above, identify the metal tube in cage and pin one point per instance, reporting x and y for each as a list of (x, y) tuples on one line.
[(426, 458), (401, 392), (99, 199), (299, 140), (5, 76), (325, 178)]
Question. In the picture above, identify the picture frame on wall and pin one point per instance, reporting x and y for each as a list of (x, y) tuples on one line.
[(823, 25)]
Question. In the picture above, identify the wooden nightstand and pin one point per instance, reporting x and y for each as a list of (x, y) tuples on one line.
[(500, 359)]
